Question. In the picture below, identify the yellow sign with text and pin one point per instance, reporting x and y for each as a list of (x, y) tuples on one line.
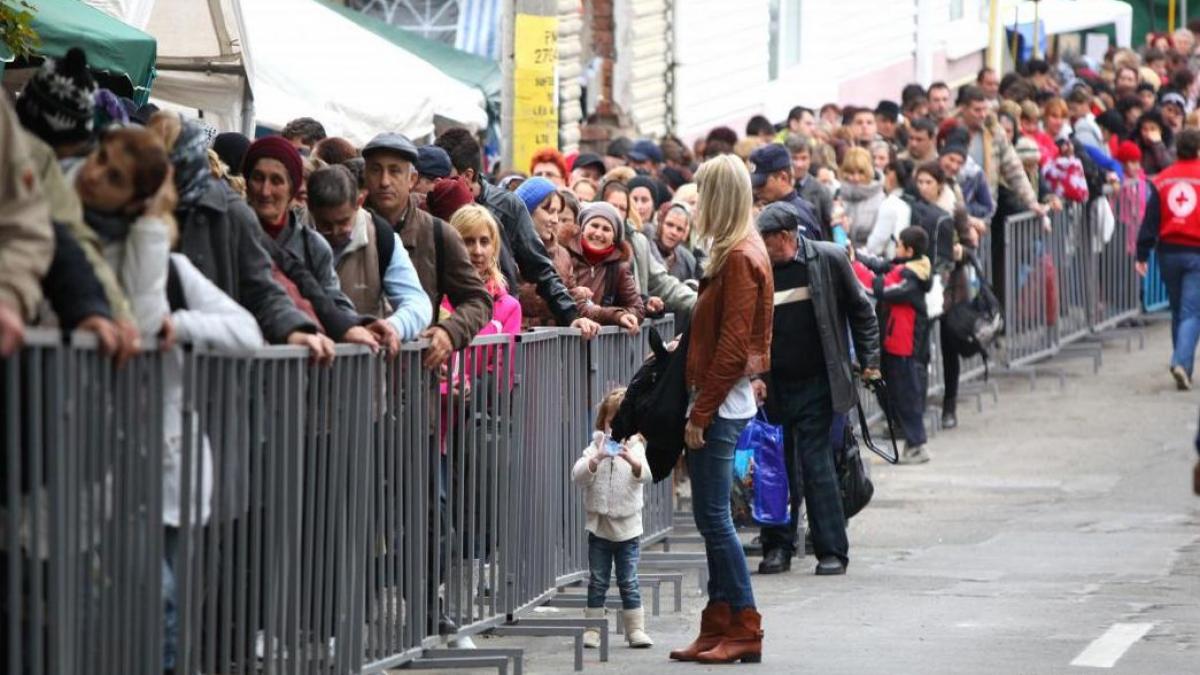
[(535, 87)]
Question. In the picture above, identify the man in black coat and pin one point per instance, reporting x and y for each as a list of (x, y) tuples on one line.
[(816, 297)]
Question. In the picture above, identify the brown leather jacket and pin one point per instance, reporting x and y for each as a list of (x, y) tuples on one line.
[(614, 289), (731, 327)]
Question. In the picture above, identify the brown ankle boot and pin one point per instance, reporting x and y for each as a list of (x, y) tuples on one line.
[(714, 622), (743, 640)]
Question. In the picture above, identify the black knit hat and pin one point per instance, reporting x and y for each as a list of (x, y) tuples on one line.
[(57, 102)]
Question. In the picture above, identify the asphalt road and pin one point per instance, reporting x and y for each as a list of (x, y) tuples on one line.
[(1055, 527)]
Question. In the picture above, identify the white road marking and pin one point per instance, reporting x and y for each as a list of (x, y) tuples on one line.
[(1106, 650)]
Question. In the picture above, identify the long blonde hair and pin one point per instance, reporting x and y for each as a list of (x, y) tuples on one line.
[(471, 218), (724, 212)]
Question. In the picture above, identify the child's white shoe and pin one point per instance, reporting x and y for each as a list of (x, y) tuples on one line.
[(591, 637), (635, 629)]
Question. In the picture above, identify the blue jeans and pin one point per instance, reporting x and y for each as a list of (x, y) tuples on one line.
[(602, 553), (711, 471), (804, 408), (170, 597), (1181, 275)]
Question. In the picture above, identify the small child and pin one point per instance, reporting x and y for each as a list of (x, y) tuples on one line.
[(612, 476), (900, 287)]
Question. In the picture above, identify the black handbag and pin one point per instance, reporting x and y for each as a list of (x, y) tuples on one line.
[(655, 405), (856, 487), (974, 325)]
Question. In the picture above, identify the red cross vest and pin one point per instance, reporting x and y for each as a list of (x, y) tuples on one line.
[(1179, 201)]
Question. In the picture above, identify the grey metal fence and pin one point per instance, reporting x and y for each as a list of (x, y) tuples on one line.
[(1063, 283), (338, 519), (1072, 254), (81, 521), (1031, 284), (1118, 287)]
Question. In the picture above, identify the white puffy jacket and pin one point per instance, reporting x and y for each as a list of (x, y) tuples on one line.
[(612, 495)]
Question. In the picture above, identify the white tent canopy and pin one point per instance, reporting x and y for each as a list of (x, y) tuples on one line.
[(300, 59)]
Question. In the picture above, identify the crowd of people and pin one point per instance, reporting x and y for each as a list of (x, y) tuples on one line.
[(865, 225)]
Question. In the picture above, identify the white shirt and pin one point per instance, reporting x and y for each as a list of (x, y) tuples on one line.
[(739, 403)]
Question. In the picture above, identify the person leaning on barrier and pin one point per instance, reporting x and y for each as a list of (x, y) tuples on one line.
[(274, 177), (127, 196), (1171, 227), (810, 381), (296, 265), (436, 249), (371, 262), (663, 292), (601, 256), (988, 145), (202, 314), (75, 294), (117, 333), (522, 252), (218, 232)]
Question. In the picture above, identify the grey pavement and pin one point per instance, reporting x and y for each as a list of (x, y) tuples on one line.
[(1040, 523)]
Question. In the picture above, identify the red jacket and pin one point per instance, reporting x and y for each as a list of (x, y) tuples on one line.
[(1179, 198), (899, 289)]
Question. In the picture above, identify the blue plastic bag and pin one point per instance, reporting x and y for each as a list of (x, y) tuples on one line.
[(760, 482)]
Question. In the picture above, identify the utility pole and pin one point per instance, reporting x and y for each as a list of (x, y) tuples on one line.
[(529, 64)]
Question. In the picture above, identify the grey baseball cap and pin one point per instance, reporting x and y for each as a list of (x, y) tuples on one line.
[(393, 142)]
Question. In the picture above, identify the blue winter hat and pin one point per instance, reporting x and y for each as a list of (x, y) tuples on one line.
[(533, 191)]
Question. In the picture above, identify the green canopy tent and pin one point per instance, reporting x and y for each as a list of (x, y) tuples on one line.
[(121, 56), (476, 71)]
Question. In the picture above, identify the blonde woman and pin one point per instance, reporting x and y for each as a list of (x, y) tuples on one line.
[(730, 341), (861, 195), (481, 235)]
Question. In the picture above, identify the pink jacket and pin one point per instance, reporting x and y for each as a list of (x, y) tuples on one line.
[(506, 320)]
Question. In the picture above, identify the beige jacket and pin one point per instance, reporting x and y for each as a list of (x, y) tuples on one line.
[(26, 238), (612, 495)]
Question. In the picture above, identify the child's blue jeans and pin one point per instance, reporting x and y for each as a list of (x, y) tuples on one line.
[(907, 399), (602, 554)]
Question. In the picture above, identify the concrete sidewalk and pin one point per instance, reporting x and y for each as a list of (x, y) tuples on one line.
[(1040, 524)]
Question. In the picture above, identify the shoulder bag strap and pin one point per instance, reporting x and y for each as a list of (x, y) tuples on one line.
[(894, 458)]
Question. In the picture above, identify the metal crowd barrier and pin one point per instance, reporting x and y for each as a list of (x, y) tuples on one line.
[(1031, 292), (1061, 285), (1072, 252), (81, 514), (1115, 280), (1064, 285), (329, 520)]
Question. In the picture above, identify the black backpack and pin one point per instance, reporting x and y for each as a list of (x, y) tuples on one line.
[(938, 225), (655, 405), (974, 325)]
